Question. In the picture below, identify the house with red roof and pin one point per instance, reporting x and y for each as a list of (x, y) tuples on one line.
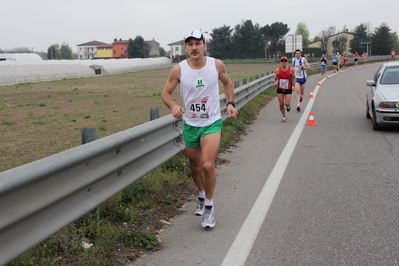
[(88, 50)]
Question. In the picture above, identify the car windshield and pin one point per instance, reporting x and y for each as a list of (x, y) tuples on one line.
[(391, 75)]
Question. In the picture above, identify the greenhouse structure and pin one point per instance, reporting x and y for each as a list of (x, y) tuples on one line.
[(29, 67)]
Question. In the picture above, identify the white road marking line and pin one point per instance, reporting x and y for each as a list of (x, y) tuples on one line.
[(239, 250)]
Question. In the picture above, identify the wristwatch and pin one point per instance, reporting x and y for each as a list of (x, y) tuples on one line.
[(232, 103)]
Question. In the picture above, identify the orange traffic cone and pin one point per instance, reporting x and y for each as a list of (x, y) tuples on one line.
[(311, 94), (311, 121), (328, 76), (350, 68), (319, 83)]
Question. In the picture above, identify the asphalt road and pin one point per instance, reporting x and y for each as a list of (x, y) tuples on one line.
[(295, 194)]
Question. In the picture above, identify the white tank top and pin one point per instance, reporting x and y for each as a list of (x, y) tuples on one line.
[(199, 89), (300, 73)]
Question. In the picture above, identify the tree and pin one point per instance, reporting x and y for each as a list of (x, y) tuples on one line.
[(65, 51), (342, 40), (220, 45), (137, 47), (359, 33), (316, 39), (395, 42), (302, 29), (382, 41), (162, 51), (274, 33), (53, 52), (57, 52), (247, 40)]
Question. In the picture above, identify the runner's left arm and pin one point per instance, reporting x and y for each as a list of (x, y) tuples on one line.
[(227, 87)]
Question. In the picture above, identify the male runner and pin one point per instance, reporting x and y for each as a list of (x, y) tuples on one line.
[(301, 66), (198, 77), (323, 64), (284, 79)]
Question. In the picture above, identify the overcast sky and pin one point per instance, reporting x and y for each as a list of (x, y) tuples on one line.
[(38, 24)]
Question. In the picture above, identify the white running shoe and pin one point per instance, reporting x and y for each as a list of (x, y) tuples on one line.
[(200, 207), (208, 220)]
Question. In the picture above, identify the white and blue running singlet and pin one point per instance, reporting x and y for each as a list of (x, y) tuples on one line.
[(300, 73)]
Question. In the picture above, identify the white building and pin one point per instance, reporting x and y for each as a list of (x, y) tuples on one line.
[(88, 50), (177, 49)]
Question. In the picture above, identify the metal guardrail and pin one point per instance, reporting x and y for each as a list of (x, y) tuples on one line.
[(40, 198)]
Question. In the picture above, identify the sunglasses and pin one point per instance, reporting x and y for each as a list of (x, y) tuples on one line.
[(283, 60)]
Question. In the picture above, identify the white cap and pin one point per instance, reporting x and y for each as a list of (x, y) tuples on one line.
[(194, 34)]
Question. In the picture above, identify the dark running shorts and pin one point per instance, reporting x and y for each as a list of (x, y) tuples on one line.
[(280, 91)]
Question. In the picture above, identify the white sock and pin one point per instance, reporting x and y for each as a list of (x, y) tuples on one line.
[(202, 194), (208, 202)]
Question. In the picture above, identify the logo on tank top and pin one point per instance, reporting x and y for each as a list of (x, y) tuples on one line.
[(200, 84)]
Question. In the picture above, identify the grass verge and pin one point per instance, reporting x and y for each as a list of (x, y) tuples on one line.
[(127, 225)]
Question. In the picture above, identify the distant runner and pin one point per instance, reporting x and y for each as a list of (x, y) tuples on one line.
[(301, 66), (356, 57), (364, 58), (323, 64), (284, 79)]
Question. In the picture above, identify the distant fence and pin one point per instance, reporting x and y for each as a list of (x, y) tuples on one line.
[(40, 198)]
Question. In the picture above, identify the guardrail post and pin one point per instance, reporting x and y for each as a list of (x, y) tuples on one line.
[(88, 134), (251, 79), (154, 113), (256, 76), (244, 81), (236, 84)]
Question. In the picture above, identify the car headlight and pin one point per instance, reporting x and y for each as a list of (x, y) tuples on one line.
[(389, 105)]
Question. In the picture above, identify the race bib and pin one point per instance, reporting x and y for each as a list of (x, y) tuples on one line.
[(197, 108), (283, 84), (298, 73)]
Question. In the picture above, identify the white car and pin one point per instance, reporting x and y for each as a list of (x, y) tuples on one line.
[(383, 96)]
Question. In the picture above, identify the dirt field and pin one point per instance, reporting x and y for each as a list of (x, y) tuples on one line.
[(41, 119)]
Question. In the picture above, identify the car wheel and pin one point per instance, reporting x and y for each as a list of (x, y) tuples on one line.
[(368, 110), (374, 120)]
